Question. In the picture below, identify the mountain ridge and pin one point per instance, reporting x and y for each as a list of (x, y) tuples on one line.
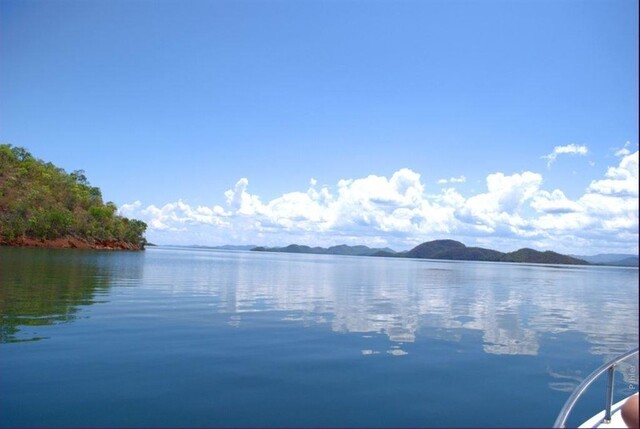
[(445, 249), (615, 259), (341, 249)]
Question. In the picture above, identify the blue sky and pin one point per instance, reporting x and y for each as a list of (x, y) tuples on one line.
[(272, 122)]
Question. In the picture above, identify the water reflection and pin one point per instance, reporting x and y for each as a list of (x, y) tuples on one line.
[(512, 308), (511, 305), (40, 287)]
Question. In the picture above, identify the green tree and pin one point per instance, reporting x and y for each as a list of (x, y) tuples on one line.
[(39, 200)]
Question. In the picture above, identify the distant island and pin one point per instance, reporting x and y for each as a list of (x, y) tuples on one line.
[(438, 249), (228, 247), (342, 249), (615, 259), (41, 205)]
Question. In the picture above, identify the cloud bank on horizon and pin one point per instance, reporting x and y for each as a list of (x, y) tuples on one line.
[(513, 211)]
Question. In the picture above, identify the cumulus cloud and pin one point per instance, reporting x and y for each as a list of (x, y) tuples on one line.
[(129, 209), (500, 207), (608, 211), (176, 216), (398, 211), (240, 201), (460, 179), (554, 202), (620, 180), (570, 149)]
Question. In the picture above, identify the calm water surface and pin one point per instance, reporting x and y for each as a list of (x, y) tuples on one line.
[(192, 337)]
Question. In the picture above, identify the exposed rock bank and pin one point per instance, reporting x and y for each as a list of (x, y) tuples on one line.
[(71, 243)]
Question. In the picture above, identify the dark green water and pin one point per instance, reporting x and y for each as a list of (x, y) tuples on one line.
[(184, 337)]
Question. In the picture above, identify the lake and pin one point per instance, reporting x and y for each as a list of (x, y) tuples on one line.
[(195, 337)]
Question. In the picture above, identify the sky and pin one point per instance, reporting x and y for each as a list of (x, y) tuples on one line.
[(501, 124)]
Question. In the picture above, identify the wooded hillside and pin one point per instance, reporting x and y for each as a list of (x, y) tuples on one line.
[(43, 202)]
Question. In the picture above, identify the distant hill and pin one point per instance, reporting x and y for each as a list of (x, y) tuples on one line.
[(228, 247), (454, 250), (435, 249), (547, 257), (438, 249), (341, 249), (631, 261), (386, 254), (232, 247), (616, 259)]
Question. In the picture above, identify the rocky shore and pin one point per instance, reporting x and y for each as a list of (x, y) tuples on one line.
[(71, 243)]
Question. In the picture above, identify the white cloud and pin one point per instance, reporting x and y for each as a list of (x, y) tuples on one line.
[(608, 210), (621, 180), (514, 210), (460, 179), (175, 216), (129, 209), (624, 150), (501, 205), (239, 200), (570, 149), (554, 202)]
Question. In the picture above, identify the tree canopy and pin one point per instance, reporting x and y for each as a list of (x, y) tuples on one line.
[(41, 201)]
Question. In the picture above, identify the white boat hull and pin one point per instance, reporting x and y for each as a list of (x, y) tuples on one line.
[(597, 421)]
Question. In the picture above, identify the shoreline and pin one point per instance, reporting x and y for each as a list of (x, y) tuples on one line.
[(70, 243)]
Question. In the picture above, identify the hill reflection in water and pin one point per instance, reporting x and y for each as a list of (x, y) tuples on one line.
[(40, 287)]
